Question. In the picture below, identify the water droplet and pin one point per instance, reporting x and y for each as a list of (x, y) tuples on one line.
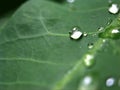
[(113, 9), (109, 22), (90, 45), (75, 34), (115, 31), (100, 29), (110, 82), (87, 80), (70, 1), (89, 60), (85, 34), (110, 33)]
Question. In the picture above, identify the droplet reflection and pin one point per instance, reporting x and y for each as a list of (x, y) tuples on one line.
[(114, 9), (110, 82), (76, 33)]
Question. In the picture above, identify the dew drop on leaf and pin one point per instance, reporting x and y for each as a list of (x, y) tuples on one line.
[(109, 22), (111, 33), (89, 60), (110, 82), (85, 34), (115, 31), (76, 33), (113, 9), (88, 82), (100, 29), (90, 45)]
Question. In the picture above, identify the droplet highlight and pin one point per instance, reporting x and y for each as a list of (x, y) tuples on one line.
[(89, 60), (90, 45), (87, 80), (76, 33), (110, 82), (113, 9), (100, 29), (115, 31)]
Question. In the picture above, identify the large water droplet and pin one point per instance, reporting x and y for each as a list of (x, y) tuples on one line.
[(109, 21), (113, 9), (110, 82), (89, 60), (76, 33), (70, 1), (87, 80), (90, 45), (104, 40)]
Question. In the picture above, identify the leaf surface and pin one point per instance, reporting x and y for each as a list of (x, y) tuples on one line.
[(36, 52)]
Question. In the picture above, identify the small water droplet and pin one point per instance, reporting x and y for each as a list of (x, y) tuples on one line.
[(100, 29), (110, 82), (76, 33), (89, 60), (70, 1), (113, 9), (85, 34), (90, 45), (88, 83), (109, 22), (87, 80)]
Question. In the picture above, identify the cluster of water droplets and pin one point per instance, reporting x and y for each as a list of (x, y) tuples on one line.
[(76, 34), (89, 61)]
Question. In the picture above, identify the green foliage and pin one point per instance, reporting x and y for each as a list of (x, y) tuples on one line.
[(36, 52)]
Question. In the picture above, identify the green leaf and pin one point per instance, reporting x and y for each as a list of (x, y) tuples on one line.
[(36, 52), (5, 18)]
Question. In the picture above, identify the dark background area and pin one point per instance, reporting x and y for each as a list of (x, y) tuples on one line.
[(9, 5)]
